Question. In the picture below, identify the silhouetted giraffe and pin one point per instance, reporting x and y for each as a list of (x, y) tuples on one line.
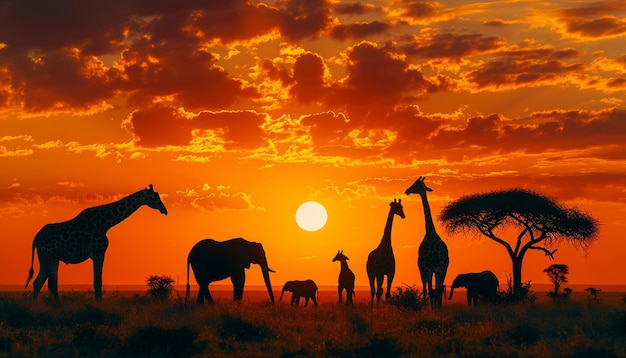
[(381, 261), (84, 237), (346, 278), (433, 253)]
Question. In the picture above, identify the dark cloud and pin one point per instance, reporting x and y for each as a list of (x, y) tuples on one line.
[(303, 19), (420, 9), (353, 8), (162, 126), (512, 73), (308, 75), (607, 26), (558, 130), (453, 46), (359, 30), (377, 79)]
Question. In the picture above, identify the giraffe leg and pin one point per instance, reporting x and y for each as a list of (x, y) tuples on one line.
[(379, 288), (372, 287), (389, 282), (98, 262), (41, 278), (53, 275), (339, 290)]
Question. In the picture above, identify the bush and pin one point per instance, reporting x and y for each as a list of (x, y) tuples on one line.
[(509, 296), (408, 297), (160, 287), (563, 297)]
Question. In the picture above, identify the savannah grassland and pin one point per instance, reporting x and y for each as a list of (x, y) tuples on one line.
[(135, 324)]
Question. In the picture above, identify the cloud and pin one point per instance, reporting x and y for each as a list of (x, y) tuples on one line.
[(450, 45), (303, 19), (359, 30), (164, 126), (220, 198), (354, 8)]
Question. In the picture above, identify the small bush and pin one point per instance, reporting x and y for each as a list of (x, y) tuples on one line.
[(510, 297), (561, 297), (160, 287), (408, 298)]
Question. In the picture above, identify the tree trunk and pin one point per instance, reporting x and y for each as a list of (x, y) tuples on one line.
[(517, 275)]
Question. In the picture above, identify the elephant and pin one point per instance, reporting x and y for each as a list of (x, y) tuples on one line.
[(306, 289), (477, 283), (216, 260)]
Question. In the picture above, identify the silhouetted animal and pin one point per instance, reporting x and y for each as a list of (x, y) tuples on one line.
[(84, 237), (346, 278), (306, 289), (216, 260), (381, 261), (482, 283), (433, 257)]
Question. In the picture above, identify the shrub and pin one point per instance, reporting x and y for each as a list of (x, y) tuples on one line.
[(510, 297), (561, 297), (160, 287), (408, 298)]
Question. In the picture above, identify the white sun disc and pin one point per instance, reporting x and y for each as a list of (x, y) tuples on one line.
[(311, 216)]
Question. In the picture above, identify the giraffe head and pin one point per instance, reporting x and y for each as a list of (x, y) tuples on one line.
[(396, 208), (340, 256), (418, 187), (153, 200)]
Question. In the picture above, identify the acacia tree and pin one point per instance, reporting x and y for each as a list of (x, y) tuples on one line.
[(558, 275), (542, 223)]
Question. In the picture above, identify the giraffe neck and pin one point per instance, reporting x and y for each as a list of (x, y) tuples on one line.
[(108, 215), (344, 265), (386, 240), (428, 219)]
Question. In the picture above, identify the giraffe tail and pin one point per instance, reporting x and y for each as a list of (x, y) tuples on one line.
[(32, 260), (187, 291)]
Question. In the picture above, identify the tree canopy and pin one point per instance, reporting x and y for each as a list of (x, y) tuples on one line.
[(542, 222)]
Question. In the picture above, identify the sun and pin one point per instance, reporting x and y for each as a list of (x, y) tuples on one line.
[(311, 216)]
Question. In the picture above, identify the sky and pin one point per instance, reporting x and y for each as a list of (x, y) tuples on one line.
[(239, 111)]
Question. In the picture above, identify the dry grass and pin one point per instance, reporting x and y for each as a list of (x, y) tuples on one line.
[(136, 324)]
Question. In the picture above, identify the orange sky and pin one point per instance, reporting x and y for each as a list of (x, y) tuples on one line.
[(237, 112)]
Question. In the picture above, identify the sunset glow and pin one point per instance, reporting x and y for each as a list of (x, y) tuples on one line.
[(237, 112)]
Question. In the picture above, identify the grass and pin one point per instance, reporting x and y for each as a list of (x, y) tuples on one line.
[(126, 325)]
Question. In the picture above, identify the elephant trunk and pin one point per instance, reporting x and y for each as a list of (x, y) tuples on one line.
[(268, 284), (451, 292), (281, 295)]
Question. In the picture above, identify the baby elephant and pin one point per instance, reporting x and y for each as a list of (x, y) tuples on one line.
[(306, 289), (477, 283)]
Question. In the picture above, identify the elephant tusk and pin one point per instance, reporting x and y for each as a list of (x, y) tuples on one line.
[(263, 267)]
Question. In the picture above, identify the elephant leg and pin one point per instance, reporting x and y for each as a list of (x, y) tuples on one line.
[(203, 292), (469, 298), (314, 299), (238, 279), (306, 301)]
